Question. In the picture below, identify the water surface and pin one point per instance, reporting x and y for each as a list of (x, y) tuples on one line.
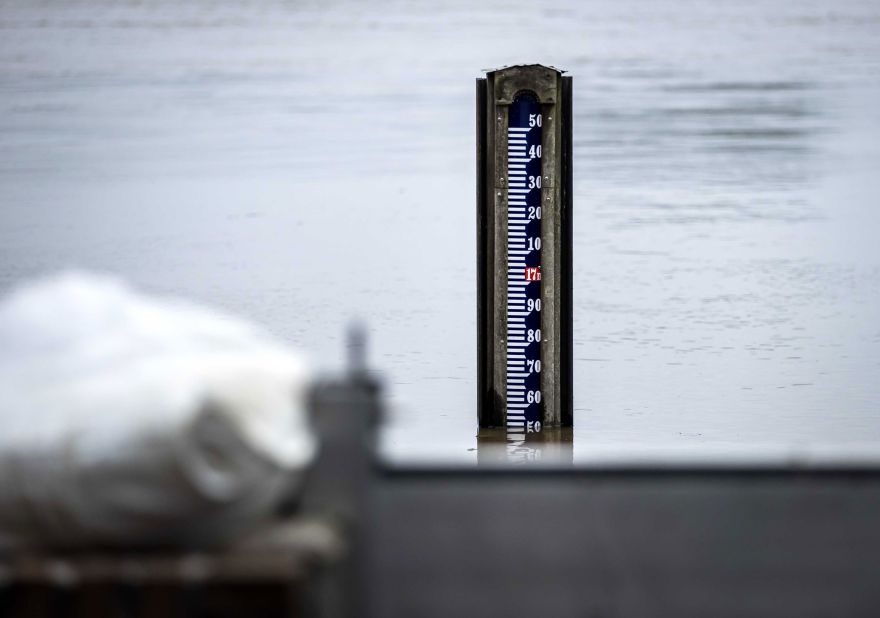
[(303, 162)]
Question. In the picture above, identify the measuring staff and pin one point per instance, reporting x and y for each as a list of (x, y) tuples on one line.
[(524, 205)]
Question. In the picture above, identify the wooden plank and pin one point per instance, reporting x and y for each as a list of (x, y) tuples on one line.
[(280, 553)]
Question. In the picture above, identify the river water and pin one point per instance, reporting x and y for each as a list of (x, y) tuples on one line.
[(303, 163)]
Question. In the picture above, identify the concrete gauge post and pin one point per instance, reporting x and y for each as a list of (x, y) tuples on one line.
[(524, 208)]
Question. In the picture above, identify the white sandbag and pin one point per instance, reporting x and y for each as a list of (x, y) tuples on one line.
[(127, 420)]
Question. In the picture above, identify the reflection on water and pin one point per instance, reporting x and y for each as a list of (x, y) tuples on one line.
[(551, 446), (304, 162)]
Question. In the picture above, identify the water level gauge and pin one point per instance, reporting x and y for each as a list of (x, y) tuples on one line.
[(524, 249)]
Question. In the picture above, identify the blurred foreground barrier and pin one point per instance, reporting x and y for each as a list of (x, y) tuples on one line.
[(762, 537), (148, 449), (303, 564), (755, 539)]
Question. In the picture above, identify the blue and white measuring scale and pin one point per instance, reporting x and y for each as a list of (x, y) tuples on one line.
[(523, 313)]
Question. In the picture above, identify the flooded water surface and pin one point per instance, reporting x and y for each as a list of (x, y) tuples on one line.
[(302, 163)]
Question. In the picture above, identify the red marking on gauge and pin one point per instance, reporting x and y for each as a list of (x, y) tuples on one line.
[(533, 273)]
